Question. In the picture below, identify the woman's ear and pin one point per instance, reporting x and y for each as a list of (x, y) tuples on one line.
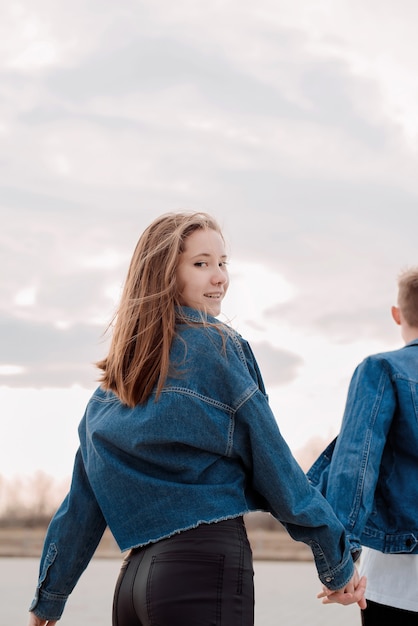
[(396, 314)]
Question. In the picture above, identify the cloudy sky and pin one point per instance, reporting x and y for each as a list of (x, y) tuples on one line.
[(294, 122)]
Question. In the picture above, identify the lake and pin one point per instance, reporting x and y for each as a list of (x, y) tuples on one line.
[(285, 594)]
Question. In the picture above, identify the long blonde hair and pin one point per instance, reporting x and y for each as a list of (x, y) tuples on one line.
[(144, 324)]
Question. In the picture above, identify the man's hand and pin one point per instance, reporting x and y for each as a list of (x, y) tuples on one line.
[(352, 592)]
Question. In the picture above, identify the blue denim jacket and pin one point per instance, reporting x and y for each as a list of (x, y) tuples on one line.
[(369, 473), (209, 449)]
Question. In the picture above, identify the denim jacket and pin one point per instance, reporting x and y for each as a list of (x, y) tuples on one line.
[(208, 449), (369, 473)]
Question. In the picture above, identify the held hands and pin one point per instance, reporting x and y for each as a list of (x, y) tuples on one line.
[(352, 592), (37, 621)]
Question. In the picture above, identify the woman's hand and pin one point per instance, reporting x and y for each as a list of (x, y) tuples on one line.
[(352, 592), (37, 621)]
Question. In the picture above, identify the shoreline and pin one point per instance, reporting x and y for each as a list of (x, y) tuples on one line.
[(267, 545)]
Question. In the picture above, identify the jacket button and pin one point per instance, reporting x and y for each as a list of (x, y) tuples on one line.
[(328, 579)]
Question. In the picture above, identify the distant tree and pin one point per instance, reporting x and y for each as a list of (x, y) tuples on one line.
[(29, 500), (311, 450)]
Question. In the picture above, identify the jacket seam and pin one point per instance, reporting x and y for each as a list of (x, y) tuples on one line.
[(366, 449)]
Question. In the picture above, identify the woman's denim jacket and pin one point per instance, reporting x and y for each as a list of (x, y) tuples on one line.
[(369, 473), (209, 449)]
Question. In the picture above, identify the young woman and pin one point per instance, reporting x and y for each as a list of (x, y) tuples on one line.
[(176, 445)]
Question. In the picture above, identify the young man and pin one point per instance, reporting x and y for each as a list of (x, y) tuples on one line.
[(369, 473)]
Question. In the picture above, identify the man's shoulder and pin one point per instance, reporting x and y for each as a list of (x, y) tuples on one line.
[(402, 361), (395, 353)]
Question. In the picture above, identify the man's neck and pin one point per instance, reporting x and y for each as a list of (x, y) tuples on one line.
[(409, 333)]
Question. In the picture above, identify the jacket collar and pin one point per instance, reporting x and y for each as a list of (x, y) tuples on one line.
[(187, 314)]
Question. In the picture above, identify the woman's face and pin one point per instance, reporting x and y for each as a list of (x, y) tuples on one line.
[(202, 277)]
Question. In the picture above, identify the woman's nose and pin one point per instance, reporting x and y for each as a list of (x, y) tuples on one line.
[(219, 277)]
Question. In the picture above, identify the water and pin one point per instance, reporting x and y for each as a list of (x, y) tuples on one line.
[(285, 594)]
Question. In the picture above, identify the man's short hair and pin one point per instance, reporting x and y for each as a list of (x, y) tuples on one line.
[(408, 295)]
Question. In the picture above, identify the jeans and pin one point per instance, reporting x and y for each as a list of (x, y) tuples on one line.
[(199, 577), (379, 614)]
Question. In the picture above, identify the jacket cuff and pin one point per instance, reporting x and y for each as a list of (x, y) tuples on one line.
[(334, 577), (46, 605)]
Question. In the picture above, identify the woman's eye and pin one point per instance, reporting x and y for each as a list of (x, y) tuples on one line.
[(200, 264)]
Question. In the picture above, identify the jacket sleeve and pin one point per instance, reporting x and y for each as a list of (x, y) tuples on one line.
[(283, 488), (71, 540), (349, 475)]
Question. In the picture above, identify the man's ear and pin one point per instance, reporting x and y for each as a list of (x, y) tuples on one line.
[(396, 314)]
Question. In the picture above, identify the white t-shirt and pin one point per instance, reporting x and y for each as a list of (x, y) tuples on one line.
[(392, 579)]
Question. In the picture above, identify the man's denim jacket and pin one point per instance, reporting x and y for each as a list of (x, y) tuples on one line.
[(209, 449), (369, 473)]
